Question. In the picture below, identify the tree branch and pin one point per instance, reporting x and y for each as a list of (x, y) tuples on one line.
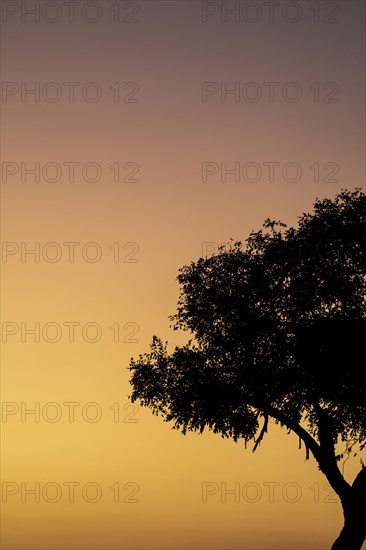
[(263, 431), (359, 484), (328, 463), (326, 460), (308, 440)]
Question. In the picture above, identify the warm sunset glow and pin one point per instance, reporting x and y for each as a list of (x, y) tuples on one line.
[(152, 135)]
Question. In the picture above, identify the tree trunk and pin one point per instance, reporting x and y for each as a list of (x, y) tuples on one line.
[(353, 534)]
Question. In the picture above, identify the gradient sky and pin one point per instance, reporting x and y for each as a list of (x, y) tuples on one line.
[(160, 222)]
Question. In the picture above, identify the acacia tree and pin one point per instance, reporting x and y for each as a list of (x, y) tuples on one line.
[(278, 328)]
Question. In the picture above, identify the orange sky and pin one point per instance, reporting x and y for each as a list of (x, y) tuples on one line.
[(178, 141)]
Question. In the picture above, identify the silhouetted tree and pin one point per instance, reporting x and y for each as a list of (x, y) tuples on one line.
[(278, 330)]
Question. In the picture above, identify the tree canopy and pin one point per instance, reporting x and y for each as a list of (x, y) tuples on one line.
[(278, 329)]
